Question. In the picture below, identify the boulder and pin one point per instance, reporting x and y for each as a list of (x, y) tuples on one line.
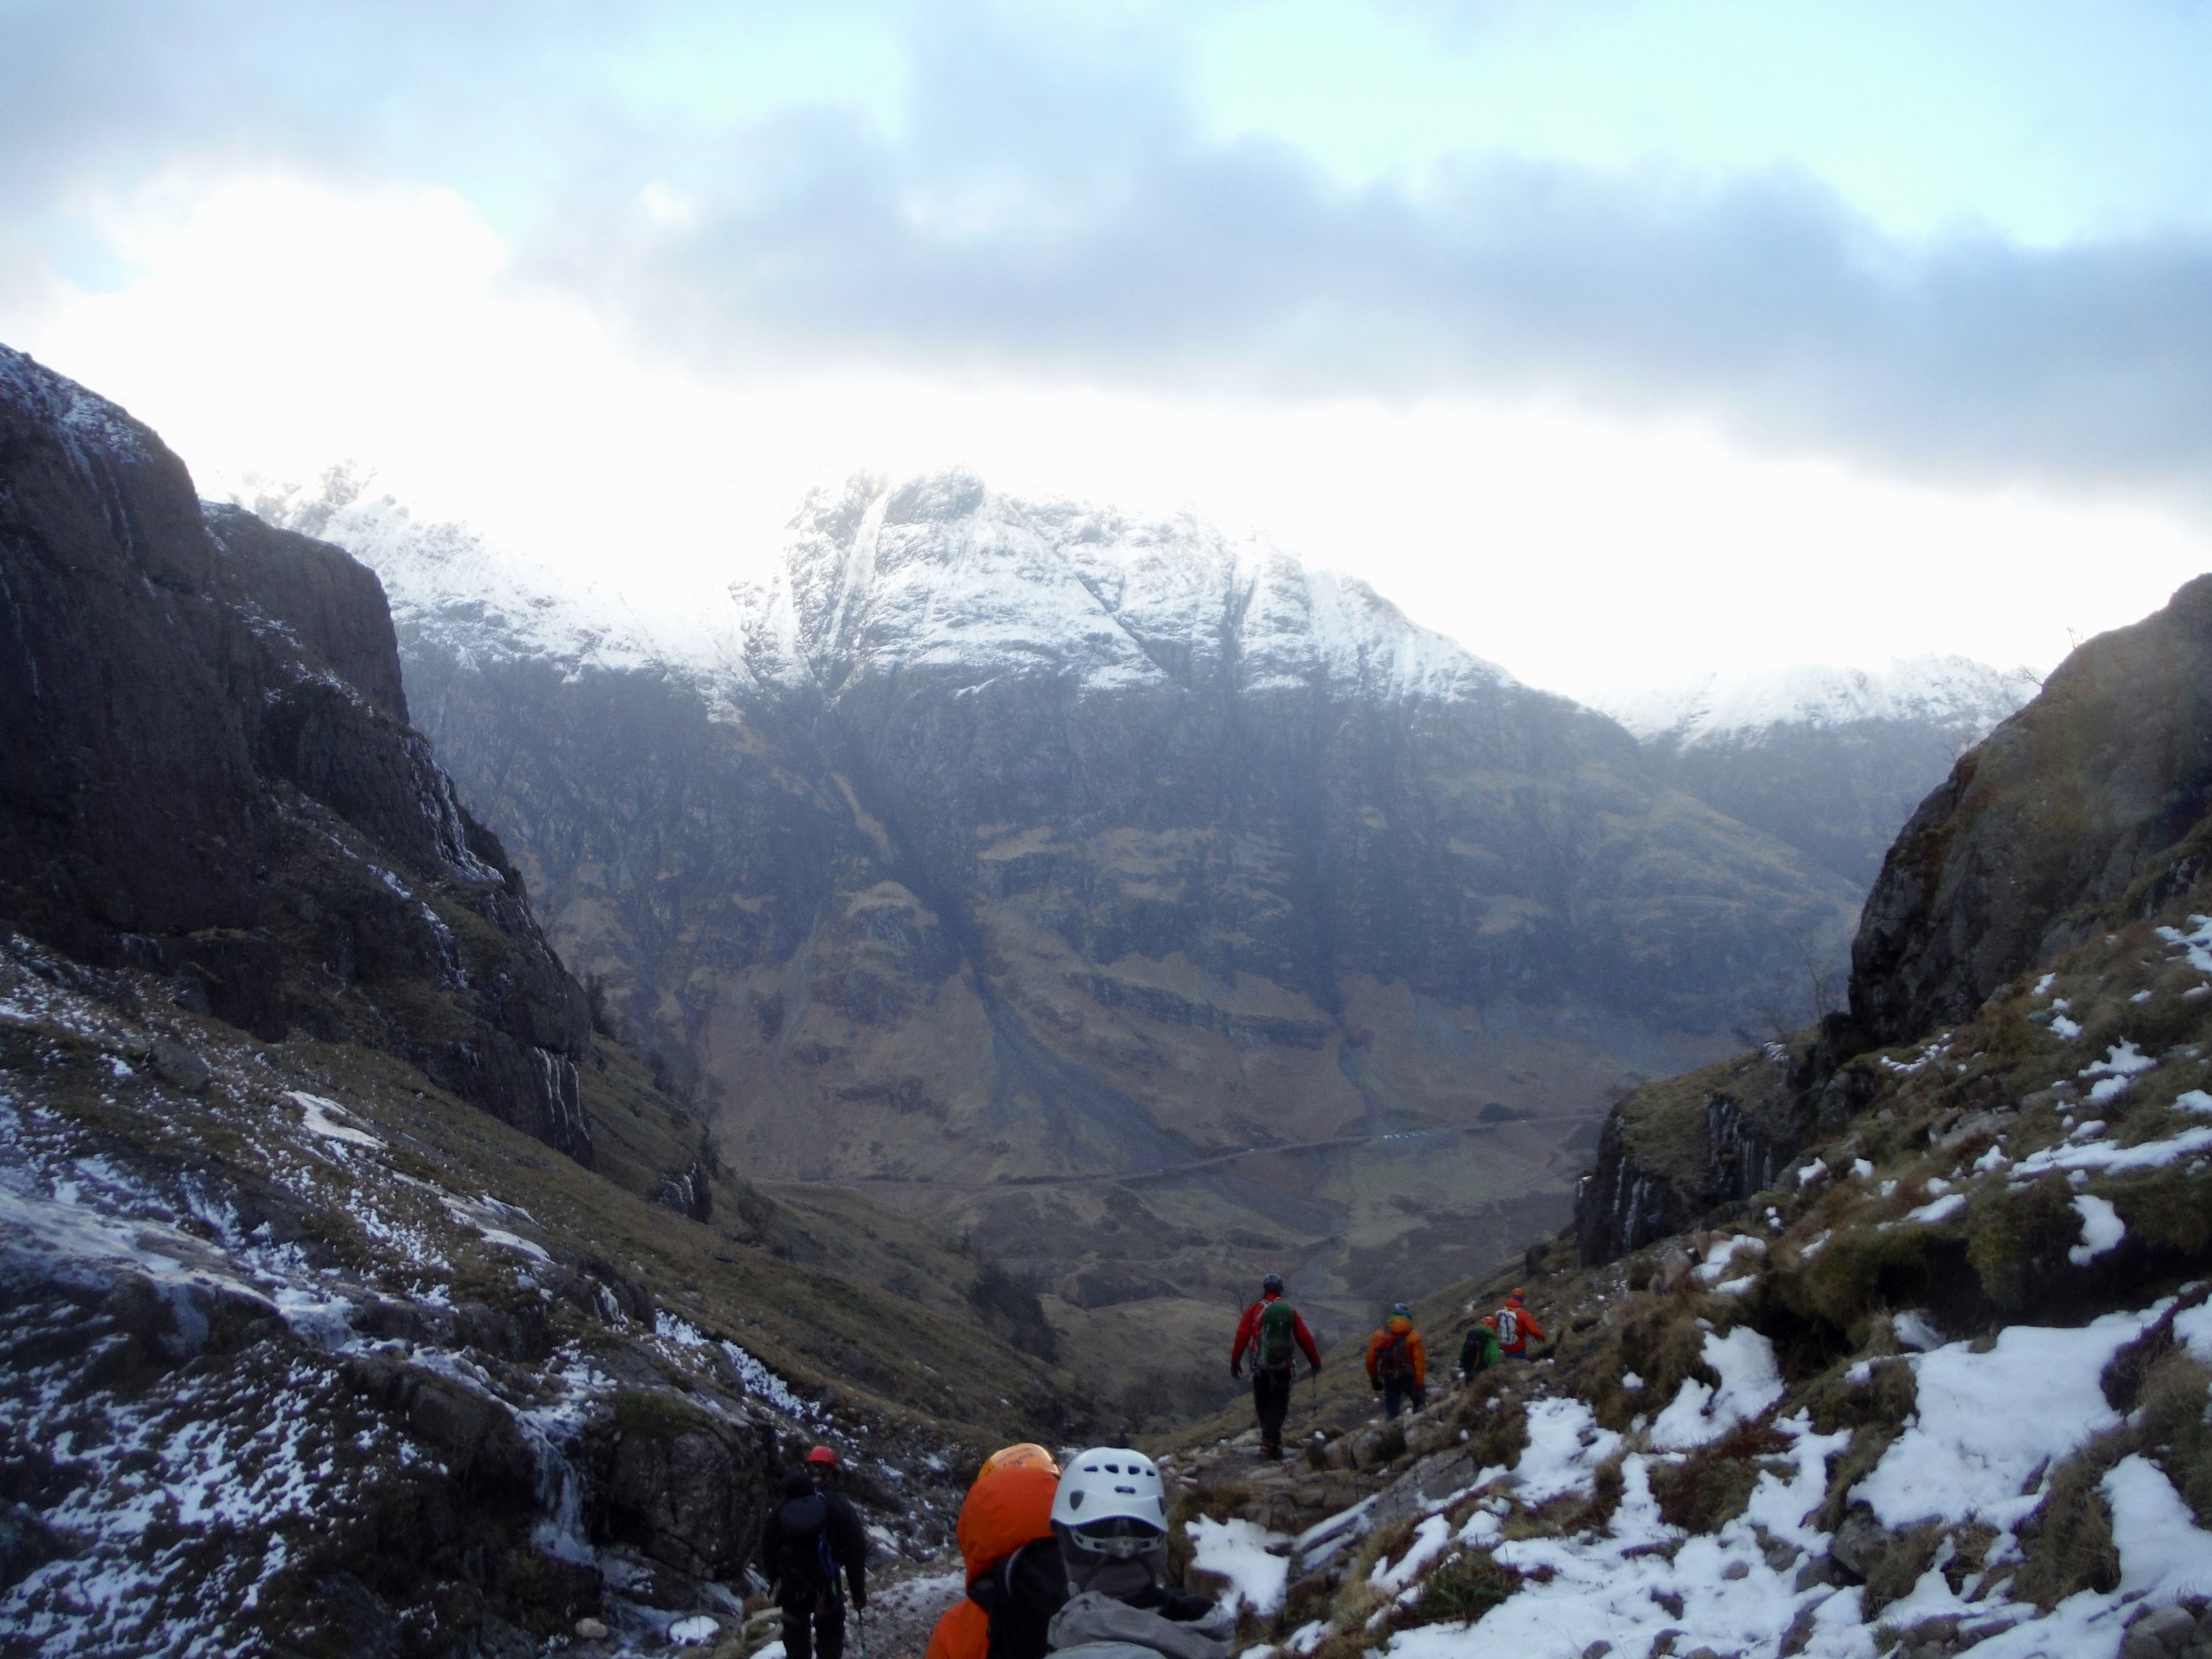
[(679, 1483), (178, 1067)]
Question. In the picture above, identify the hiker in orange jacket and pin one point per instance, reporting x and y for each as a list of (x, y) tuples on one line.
[(1272, 1338), (1398, 1364), (1008, 1510), (1516, 1324)]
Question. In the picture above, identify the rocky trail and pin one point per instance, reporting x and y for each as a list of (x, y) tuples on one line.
[(1168, 1171)]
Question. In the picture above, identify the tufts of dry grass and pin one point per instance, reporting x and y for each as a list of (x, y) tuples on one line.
[(1711, 1487), (1460, 1591)]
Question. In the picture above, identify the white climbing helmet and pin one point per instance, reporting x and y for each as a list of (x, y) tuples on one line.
[(1111, 1500)]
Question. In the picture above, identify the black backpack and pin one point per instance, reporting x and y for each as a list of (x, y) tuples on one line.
[(803, 1525), (1392, 1361)]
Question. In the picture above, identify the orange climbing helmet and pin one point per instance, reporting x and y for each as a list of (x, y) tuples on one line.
[(1026, 1455)]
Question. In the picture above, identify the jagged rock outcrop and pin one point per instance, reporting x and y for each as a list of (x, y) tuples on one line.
[(2043, 825), (210, 774), (1674, 1150)]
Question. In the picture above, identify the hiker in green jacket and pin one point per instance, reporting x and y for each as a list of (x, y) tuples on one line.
[(1480, 1351), (1273, 1332)]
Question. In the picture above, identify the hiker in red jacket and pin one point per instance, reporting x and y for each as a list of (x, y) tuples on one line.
[(1274, 1333), (1516, 1324)]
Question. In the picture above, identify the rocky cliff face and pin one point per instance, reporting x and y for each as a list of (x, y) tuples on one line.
[(1830, 761), (210, 775), (2036, 832), (2085, 812), (309, 1342), (1677, 1150), (1001, 856)]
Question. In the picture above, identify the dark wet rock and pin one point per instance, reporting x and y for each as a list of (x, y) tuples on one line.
[(381, 1319), (1859, 1544), (26, 1543), (519, 1334), (211, 776), (680, 1485), (474, 1435), (165, 1323), (331, 602), (692, 1192)]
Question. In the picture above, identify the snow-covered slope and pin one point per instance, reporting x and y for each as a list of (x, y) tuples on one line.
[(1955, 692)]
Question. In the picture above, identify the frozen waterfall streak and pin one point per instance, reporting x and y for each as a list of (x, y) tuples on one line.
[(564, 1092)]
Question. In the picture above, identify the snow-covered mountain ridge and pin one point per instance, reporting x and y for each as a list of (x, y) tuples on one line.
[(935, 574), (941, 574), (1955, 693)]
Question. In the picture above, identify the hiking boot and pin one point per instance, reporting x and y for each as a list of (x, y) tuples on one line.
[(1274, 1452)]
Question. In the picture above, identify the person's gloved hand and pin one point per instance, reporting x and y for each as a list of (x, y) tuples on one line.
[(1236, 1369), (1374, 1385), (860, 1602), (1219, 1621)]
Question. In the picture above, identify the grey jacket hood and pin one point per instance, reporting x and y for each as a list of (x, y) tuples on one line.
[(1095, 1626)]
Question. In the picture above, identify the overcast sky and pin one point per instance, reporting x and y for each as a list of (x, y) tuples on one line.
[(1620, 341)]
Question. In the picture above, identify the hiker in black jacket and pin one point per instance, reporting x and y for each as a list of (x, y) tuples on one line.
[(812, 1536)]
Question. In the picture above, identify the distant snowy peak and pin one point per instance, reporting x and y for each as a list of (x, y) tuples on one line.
[(445, 579), (941, 573), (1954, 693)]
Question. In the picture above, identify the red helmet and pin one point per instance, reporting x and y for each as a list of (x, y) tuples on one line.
[(822, 1455)]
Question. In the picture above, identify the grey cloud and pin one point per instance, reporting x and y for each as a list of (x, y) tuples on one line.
[(97, 92), (1149, 256), (1050, 206)]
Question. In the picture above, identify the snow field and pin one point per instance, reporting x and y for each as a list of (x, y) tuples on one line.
[(1988, 1431), (1254, 1561), (1749, 1386)]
